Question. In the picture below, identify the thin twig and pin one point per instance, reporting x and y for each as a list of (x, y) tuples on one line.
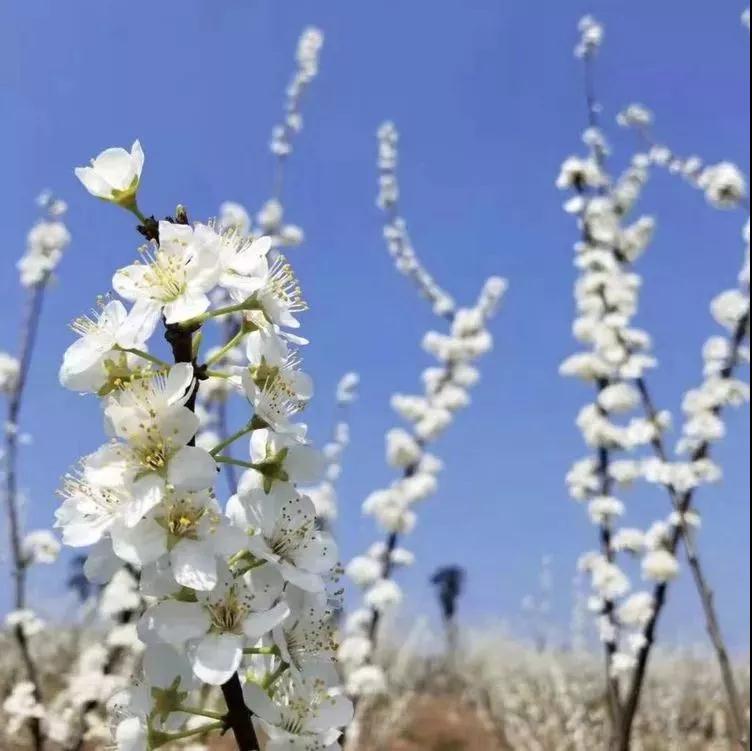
[(29, 331), (683, 505)]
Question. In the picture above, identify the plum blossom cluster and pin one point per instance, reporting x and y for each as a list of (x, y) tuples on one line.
[(617, 360), (446, 388), (237, 589), (324, 494)]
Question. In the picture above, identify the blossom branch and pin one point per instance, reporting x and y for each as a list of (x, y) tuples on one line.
[(20, 563), (683, 503), (446, 392), (251, 574), (45, 244)]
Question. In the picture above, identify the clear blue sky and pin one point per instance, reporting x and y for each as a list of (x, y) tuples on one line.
[(488, 98)]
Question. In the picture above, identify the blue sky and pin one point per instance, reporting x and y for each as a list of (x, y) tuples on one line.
[(488, 98)]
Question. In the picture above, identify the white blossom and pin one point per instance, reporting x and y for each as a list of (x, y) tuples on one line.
[(660, 566), (40, 546), (724, 184), (306, 711), (9, 370), (114, 175)]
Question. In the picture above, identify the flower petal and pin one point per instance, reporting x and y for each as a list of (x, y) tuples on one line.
[(217, 657), (192, 468), (194, 565)]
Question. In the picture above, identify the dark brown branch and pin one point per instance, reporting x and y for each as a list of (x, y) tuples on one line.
[(239, 717)]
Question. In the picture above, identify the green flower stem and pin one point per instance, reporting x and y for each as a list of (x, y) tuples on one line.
[(217, 374), (132, 206), (272, 678), (202, 713), (245, 430), (237, 462), (145, 356), (163, 738), (234, 341), (241, 307)]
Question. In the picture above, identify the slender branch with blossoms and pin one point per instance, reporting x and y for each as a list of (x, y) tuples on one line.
[(602, 207), (445, 392), (269, 222), (237, 591), (283, 135), (723, 183), (725, 188), (324, 494), (45, 244)]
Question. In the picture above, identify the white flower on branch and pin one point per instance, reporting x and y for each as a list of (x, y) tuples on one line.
[(402, 450), (45, 244), (93, 360), (9, 369), (364, 570), (637, 609), (724, 184), (591, 39), (233, 216), (282, 527), (281, 459), (635, 115), (660, 566), (308, 633), (367, 680), (384, 595), (189, 529), (172, 281), (40, 546), (114, 175), (306, 710), (21, 705), (220, 622), (347, 389), (26, 620)]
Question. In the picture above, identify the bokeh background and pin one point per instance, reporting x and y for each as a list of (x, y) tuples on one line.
[(488, 98)]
